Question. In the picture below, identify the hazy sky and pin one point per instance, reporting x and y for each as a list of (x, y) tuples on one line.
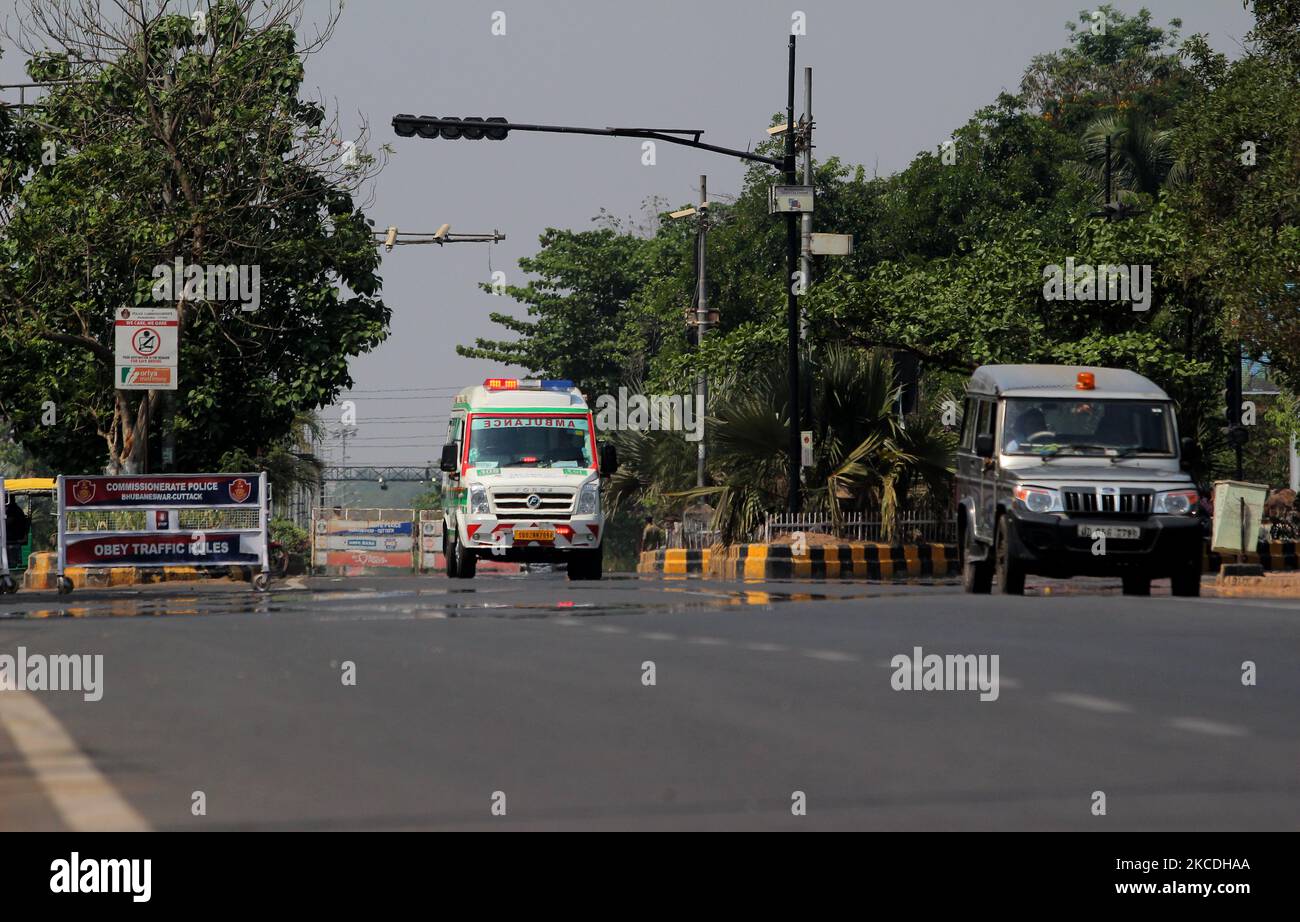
[(890, 79)]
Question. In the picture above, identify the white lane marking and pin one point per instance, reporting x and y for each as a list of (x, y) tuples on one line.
[(1208, 727), (609, 629), (85, 799), (1008, 682), (830, 656), (1090, 703), (654, 635), (767, 647), (708, 641)]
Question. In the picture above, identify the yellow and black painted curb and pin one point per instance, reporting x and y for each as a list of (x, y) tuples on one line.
[(860, 560), (42, 573), (1271, 555), (674, 561), (854, 560)]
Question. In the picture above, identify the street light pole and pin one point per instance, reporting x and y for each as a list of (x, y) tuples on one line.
[(793, 469)]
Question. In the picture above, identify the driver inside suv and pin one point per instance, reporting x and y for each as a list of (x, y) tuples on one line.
[(1029, 423)]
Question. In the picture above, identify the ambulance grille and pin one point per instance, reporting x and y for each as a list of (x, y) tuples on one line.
[(512, 505)]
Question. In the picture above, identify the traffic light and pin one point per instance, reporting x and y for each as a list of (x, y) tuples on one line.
[(449, 128)]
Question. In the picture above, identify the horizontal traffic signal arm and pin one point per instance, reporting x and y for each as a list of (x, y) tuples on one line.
[(496, 129)]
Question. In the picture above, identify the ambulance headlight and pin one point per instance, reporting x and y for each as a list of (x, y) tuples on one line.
[(478, 500), (589, 500)]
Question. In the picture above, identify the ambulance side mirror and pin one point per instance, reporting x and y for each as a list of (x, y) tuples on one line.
[(450, 453), (608, 460), (984, 445)]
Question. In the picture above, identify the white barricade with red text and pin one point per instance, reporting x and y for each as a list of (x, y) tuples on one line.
[(192, 520)]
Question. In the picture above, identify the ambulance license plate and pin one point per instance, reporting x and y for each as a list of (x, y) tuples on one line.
[(534, 534)]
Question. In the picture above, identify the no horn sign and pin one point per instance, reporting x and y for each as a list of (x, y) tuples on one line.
[(146, 339)]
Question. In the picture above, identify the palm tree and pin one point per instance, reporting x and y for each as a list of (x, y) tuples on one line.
[(1142, 158), (864, 455)]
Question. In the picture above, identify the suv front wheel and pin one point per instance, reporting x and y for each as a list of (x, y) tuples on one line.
[(1008, 572), (976, 575)]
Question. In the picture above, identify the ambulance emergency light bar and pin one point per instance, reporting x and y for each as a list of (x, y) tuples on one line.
[(530, 384)]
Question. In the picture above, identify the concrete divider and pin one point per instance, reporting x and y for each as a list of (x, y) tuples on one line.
[(866, 560), (674, 561), (848, 560), (43, 571), (1271, 555)]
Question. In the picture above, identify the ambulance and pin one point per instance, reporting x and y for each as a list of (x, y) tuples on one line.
[(521, 478)]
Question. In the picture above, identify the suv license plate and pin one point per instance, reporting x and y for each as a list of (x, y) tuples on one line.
[(1118, 532), (534, 534)]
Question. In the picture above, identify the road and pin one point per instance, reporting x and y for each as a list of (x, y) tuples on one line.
[(530, 694)]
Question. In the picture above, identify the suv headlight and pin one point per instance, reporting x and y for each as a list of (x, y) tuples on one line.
[(1040, 499), (1177, 502), (589, 500), (478, 500)]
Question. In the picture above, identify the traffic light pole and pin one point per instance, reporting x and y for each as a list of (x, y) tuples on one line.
[(429, 127), (702, 319), (793, 469), (497, 129)]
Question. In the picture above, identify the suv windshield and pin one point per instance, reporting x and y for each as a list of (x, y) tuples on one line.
[(1086, 425), (530, 441)]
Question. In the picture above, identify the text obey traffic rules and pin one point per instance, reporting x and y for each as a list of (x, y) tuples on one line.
[(146, 339)]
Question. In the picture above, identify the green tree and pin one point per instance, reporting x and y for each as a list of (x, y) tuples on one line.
[(168, 142)]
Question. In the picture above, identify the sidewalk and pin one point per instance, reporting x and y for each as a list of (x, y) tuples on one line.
[(1268, 586)]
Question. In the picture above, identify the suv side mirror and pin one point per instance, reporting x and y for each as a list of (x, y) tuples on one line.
[(450, 453), (1191, 451), (608, 460), (984, 444)]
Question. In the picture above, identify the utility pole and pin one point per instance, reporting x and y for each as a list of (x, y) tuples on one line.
[(794, 469), (806, 219), (1237, 433), (702, 318)]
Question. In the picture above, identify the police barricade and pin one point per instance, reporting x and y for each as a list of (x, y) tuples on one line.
[(7, 584), (354, 542), (194, 520), (431, 541), (431, 559)]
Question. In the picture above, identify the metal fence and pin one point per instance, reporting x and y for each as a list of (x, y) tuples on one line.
[(692, 534), (925, 523)]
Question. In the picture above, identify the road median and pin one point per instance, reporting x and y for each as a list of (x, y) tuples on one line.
[(841, 560), (42, 573)]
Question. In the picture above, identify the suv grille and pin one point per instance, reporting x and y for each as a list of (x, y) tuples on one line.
[(1126, 502), (555, 503)]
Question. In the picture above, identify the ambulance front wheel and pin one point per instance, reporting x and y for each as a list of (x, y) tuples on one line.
[(64, 585)]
